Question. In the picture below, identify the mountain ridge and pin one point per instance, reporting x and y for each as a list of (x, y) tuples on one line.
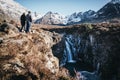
[(13, 10), (110, 10)]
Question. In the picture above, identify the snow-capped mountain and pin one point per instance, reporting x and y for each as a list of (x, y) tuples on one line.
[(55, 18), (75, 17), (12, 8), (78, 17), (110, 10), (52, 18), (88, 14)]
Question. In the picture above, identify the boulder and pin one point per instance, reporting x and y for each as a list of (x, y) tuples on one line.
[(8, 28)]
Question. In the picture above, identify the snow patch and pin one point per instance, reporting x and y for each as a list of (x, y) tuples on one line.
[(12, 8)]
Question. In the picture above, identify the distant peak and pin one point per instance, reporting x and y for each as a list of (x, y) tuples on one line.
[(90, 10), (50, 12), (75, 13), (115, 1)]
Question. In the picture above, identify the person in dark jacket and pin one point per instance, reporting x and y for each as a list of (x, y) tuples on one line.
[(28, 21), (22, 19)]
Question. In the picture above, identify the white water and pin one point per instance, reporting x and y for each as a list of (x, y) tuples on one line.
[(91, 39), (98, 67), (74, 45), (68, 50)]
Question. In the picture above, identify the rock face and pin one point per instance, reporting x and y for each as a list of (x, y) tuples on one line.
[(24, 56)]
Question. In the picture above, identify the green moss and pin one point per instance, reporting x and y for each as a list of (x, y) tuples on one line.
[(89, 26)]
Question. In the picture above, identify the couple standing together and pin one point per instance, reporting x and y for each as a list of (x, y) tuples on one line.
[(26, 21)]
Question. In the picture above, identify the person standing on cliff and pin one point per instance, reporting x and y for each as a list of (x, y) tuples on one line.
[(28, 22), (22, 20)]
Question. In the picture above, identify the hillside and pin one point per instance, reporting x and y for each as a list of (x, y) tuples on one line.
[(28, 56), (12, 8), (32, 56)]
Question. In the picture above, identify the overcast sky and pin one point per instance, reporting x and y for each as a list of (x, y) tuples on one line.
[(65, 7)]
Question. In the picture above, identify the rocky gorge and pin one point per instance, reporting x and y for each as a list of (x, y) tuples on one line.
[(44, 53), (91, 49)]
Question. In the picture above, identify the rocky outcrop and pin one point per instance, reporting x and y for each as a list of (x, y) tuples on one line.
[(8, 28), (27, 56)]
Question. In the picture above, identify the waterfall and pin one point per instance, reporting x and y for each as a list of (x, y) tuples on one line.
[(91, 39), (77, 47), (98, 67), (68, 49)]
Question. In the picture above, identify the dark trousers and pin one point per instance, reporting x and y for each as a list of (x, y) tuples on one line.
[(23, 25), (28, 24)]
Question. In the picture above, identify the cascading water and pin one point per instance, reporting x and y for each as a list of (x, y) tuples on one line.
[(76, 46), (91, 39), (68, 49)]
